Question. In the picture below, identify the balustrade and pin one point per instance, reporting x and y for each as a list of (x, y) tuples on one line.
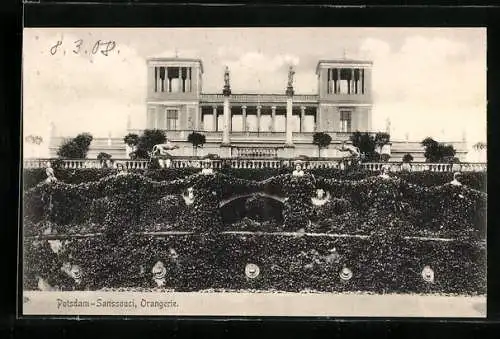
[(258, 98), (254, 162)]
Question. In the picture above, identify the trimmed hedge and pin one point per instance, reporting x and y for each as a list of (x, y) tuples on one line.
[(33, 176), (379, 264), (384, 210), (143, 204)]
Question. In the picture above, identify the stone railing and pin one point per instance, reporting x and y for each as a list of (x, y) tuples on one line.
[(258, 98), (190, 162), (425, 166)]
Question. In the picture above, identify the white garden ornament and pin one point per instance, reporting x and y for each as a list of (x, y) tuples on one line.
[(252, 271), (385, 172), (320, 198), (456, 179), (428, 274), (345, 274), (188, 196), (298, 172), (159, 272), (49, 171), (55, 245), (73, 271)]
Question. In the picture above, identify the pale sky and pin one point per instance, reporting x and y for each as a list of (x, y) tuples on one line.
[(427, 81)]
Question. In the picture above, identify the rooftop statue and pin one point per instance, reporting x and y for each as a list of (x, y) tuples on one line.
[(226, 77), (291, 73)]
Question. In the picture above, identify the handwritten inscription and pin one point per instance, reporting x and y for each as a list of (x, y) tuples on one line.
[(84, 47)]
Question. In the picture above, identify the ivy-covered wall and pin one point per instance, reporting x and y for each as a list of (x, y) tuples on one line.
[(381, 265), (388, 214)]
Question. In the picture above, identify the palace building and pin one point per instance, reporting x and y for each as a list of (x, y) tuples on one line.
[(256, 125), (261, 125)]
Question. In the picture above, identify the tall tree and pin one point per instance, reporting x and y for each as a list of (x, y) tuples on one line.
[(196, 139), (322, 140), (103, 157), (407, 157), (34, 140), (382, 138), (131, 139), (437, 152), (76, 148)]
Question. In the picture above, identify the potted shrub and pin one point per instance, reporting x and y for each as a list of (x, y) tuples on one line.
[(322, 140), (104, 159), (455, 164), (407, 159)]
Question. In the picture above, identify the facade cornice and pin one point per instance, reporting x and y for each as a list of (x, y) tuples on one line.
[(158, 61), (343, 63)]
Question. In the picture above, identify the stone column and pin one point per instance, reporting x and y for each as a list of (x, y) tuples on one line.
[(227, 120), (197, 120), (289, 106), (337, 85), (273, 118), (180, 79), (352, 81), (226, 92), (214, 117), (244, 113), (302, 117), (258, 118)]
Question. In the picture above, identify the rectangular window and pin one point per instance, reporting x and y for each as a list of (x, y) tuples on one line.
[(346, 83), (345, 121), (172, 117)]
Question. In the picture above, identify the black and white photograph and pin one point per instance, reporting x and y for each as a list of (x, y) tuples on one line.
[(312, 172)]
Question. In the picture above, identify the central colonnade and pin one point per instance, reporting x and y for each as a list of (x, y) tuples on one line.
[(259, 118)]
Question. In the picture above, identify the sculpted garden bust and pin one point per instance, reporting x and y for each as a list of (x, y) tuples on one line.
[(320, 198), (456, 179), (298, 171), (159, 272), (384, 174), (122, 170), (189, 196), (49, 171)]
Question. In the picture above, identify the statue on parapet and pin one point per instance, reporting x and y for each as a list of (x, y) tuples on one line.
[(298, 171), (226, 77), (227, 86), (291, 73), (384, 174), (160, 152)]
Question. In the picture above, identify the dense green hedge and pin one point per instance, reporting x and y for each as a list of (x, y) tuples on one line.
[(386, 211), (135, 203), (379, 264), (475, 180)]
